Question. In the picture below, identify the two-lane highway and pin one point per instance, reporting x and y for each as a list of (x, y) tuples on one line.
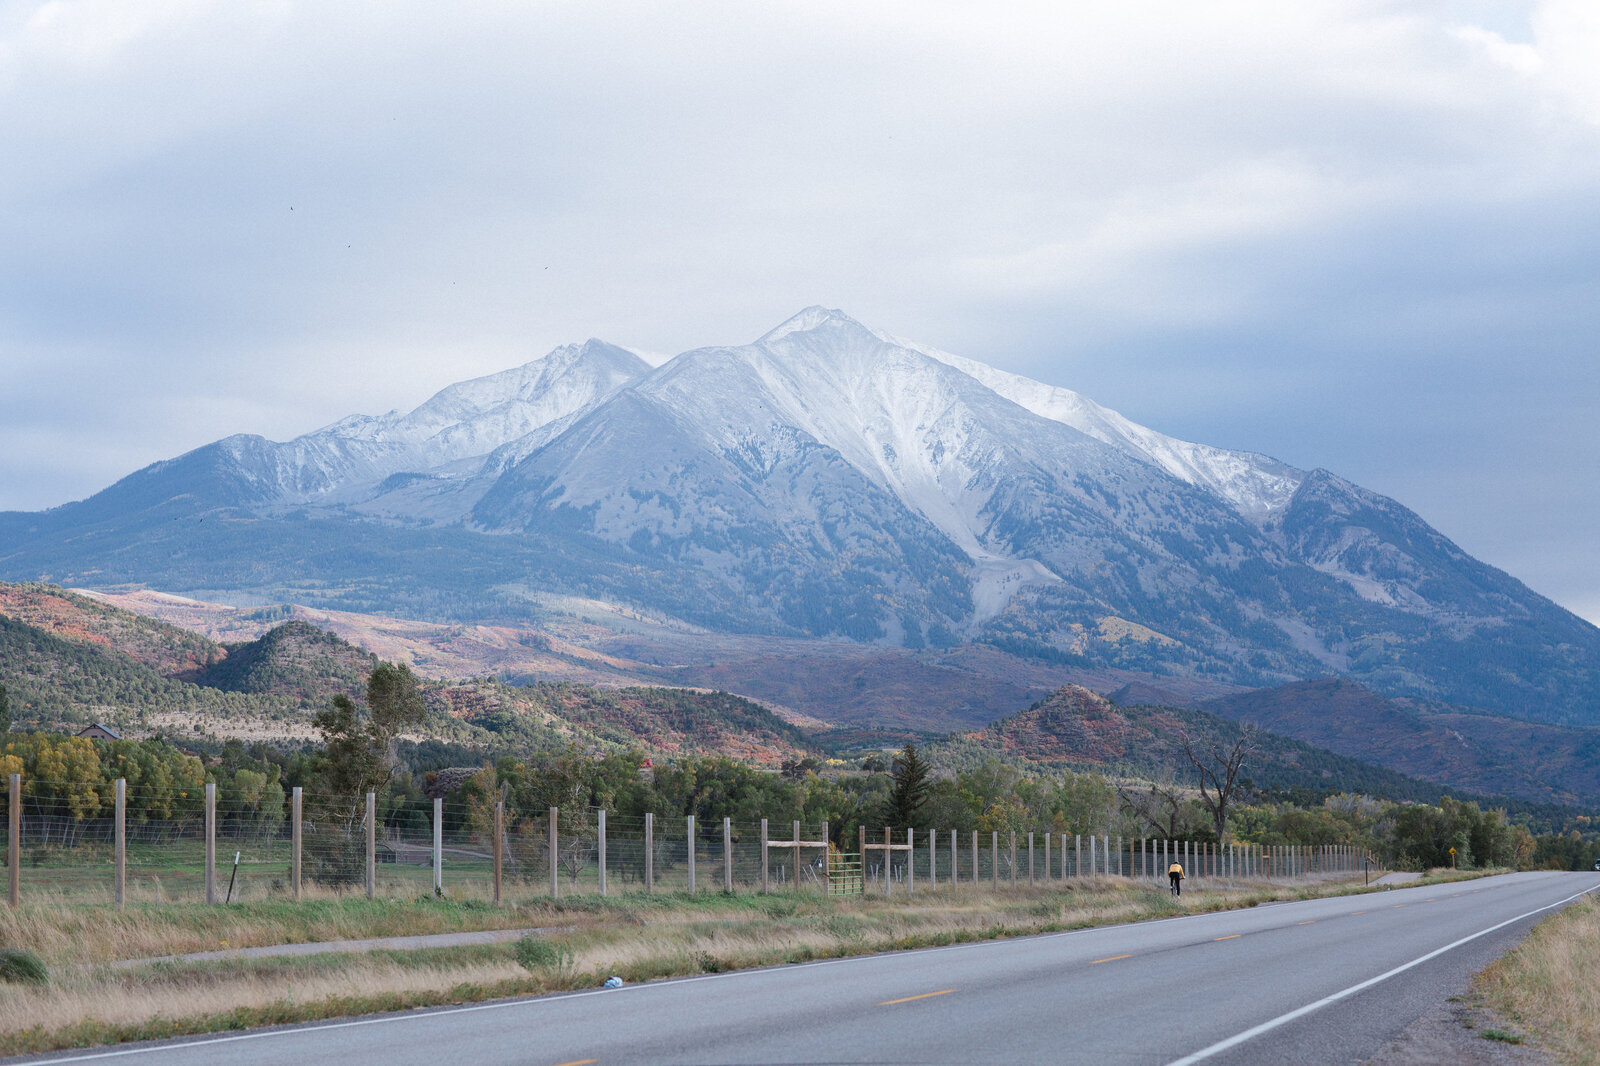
[(1321, 981)]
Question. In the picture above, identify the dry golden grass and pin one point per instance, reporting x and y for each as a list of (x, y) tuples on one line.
[(122, 1000), (73, 934), (1548, 983), (636, 937)]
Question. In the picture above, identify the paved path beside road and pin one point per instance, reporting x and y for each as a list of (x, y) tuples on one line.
[(323, 947)]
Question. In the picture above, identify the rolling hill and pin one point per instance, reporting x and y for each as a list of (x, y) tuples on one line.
[(77, 671)]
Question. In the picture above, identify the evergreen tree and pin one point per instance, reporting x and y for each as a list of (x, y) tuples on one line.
[(5, 711), (360, 755), (909, 791)]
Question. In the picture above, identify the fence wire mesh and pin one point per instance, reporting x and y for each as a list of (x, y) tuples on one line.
[(67, 840)]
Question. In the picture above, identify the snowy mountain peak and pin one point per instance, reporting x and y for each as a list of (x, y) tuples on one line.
[(1254, 485), (810, 319)]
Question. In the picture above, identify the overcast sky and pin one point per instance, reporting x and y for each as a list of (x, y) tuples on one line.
[(1361, 236)]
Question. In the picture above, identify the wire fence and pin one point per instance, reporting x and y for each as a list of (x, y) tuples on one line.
[(173, 844)]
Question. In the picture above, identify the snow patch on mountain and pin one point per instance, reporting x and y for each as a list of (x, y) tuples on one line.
[(996, 580), (1256, 485)]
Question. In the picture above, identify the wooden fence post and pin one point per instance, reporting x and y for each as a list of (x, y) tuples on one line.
[(600, 848), (14, 841), (994, 861), (1030, 860), (861, 846), (955, 860), (1048, 857), (827, 859), (727, 855), (296, 839), (211, 842), (649, 852), (974, 858), (911, 861), (691, 853), (765, 885), (553, 836), (498, 850), (438, 846), (1077, 855), (933, 858), (121, 845), (1013, 858), (887, 855), (797, 855), (372, 845)]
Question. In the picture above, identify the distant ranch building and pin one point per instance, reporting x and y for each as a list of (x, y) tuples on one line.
[(99, 732)]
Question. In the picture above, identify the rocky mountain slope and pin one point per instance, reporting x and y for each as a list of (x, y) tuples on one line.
[(830, 481)]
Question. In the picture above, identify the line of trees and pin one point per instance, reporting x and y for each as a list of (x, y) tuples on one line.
[(362, 750)]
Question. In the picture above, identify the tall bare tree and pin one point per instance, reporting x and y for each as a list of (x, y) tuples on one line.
[(1219, 766), (1157, 803)]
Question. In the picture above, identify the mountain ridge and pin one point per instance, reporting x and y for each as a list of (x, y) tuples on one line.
[(831, 481)]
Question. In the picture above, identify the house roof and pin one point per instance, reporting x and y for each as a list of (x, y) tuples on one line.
[(98, 730)]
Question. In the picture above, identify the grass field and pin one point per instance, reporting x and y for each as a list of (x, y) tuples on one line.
[(635, 936), (1547, 984)]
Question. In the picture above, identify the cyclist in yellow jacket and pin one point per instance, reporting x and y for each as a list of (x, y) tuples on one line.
[(1175, 875)]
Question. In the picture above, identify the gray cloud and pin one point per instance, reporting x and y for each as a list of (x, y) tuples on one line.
[(1357, 235)]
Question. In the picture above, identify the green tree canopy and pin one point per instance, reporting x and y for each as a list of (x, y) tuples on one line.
[(360, 752)]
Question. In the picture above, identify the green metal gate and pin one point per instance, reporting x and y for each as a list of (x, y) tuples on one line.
[(844, 876)]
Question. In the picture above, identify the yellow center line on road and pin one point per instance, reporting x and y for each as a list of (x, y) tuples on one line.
[(908, 999), (1311, 922), (1397, 906), (1357, 914), (579, 1062), (1235, 936), (1109, 958)]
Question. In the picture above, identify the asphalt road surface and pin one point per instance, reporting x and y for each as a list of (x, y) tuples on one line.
[(1321, 981)]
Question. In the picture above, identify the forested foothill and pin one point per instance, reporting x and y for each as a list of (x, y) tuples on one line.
[(904, 790), (1073, 763)]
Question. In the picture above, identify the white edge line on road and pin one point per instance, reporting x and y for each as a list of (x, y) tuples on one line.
[(1283, 1019), (537, 1000)]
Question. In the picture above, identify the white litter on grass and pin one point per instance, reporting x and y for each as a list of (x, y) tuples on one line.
[(613, 982)]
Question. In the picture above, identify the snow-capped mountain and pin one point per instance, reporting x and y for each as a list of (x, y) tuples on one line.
[(450, 434), (828, 479)]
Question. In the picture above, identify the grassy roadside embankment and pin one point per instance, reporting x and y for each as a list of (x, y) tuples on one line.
[(1547, 984), (636, 937)]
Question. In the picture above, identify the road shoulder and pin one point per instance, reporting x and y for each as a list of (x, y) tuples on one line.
[(1454, 1033)]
